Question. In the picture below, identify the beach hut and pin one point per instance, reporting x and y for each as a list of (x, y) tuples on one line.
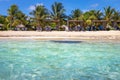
[(116, 24), (78, 24), (20, 27), (57, 22), (102, 23)]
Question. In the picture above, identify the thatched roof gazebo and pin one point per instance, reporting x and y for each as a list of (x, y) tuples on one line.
[(78, 23), (75, 21), (118, 21), (20, 27), (57, 22), (99, 21), (116, 24), (102, 22)]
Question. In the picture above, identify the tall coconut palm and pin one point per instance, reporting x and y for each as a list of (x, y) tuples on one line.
[(57, 11), (108, 13), (12, 11), (39, 14), (2, 19), (98, 14), (21, 18), (76, 14), (93, 15), (86, 16), (116, 15)]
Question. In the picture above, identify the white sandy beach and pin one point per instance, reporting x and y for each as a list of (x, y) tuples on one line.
[(83, 35)]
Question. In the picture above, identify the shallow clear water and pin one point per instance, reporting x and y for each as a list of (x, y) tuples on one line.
[(52, 60)]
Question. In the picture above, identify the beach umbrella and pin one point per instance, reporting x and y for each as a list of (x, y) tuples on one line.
[(66, 27)]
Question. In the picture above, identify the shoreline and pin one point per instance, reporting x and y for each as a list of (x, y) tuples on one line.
[(61, 35)]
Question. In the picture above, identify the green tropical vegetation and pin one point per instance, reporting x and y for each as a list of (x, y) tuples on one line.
[(39, 16), (58, 10), (76, 14)]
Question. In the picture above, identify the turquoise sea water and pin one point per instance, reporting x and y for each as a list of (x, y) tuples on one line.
[(53, 60)]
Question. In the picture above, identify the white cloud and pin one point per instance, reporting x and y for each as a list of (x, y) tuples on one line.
[(85, 10), (95, 5), (32, 7), (39, 4)]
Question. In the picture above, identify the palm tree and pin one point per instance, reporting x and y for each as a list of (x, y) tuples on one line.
[(21, 18), (88, 16), (93, 15), (85, 16), (39, 14), (2, 19), (116, 15), (12, 14), (108, 13), (98, 14), (57, 11), (76, 14)]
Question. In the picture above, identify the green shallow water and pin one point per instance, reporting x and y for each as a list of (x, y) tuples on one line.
[(52, 60)]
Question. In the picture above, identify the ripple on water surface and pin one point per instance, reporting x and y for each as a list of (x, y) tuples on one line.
[(59, 60)]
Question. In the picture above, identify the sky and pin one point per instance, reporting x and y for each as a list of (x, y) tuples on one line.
[(26, 6)]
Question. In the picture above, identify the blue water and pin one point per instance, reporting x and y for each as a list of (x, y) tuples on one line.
[(54, 60)]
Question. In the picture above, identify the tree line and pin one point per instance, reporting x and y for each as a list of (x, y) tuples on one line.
[(41, 16)]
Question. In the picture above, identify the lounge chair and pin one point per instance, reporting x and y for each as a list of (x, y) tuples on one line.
[(101, 27), (117, 28), (38, 28), (47, 28)]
